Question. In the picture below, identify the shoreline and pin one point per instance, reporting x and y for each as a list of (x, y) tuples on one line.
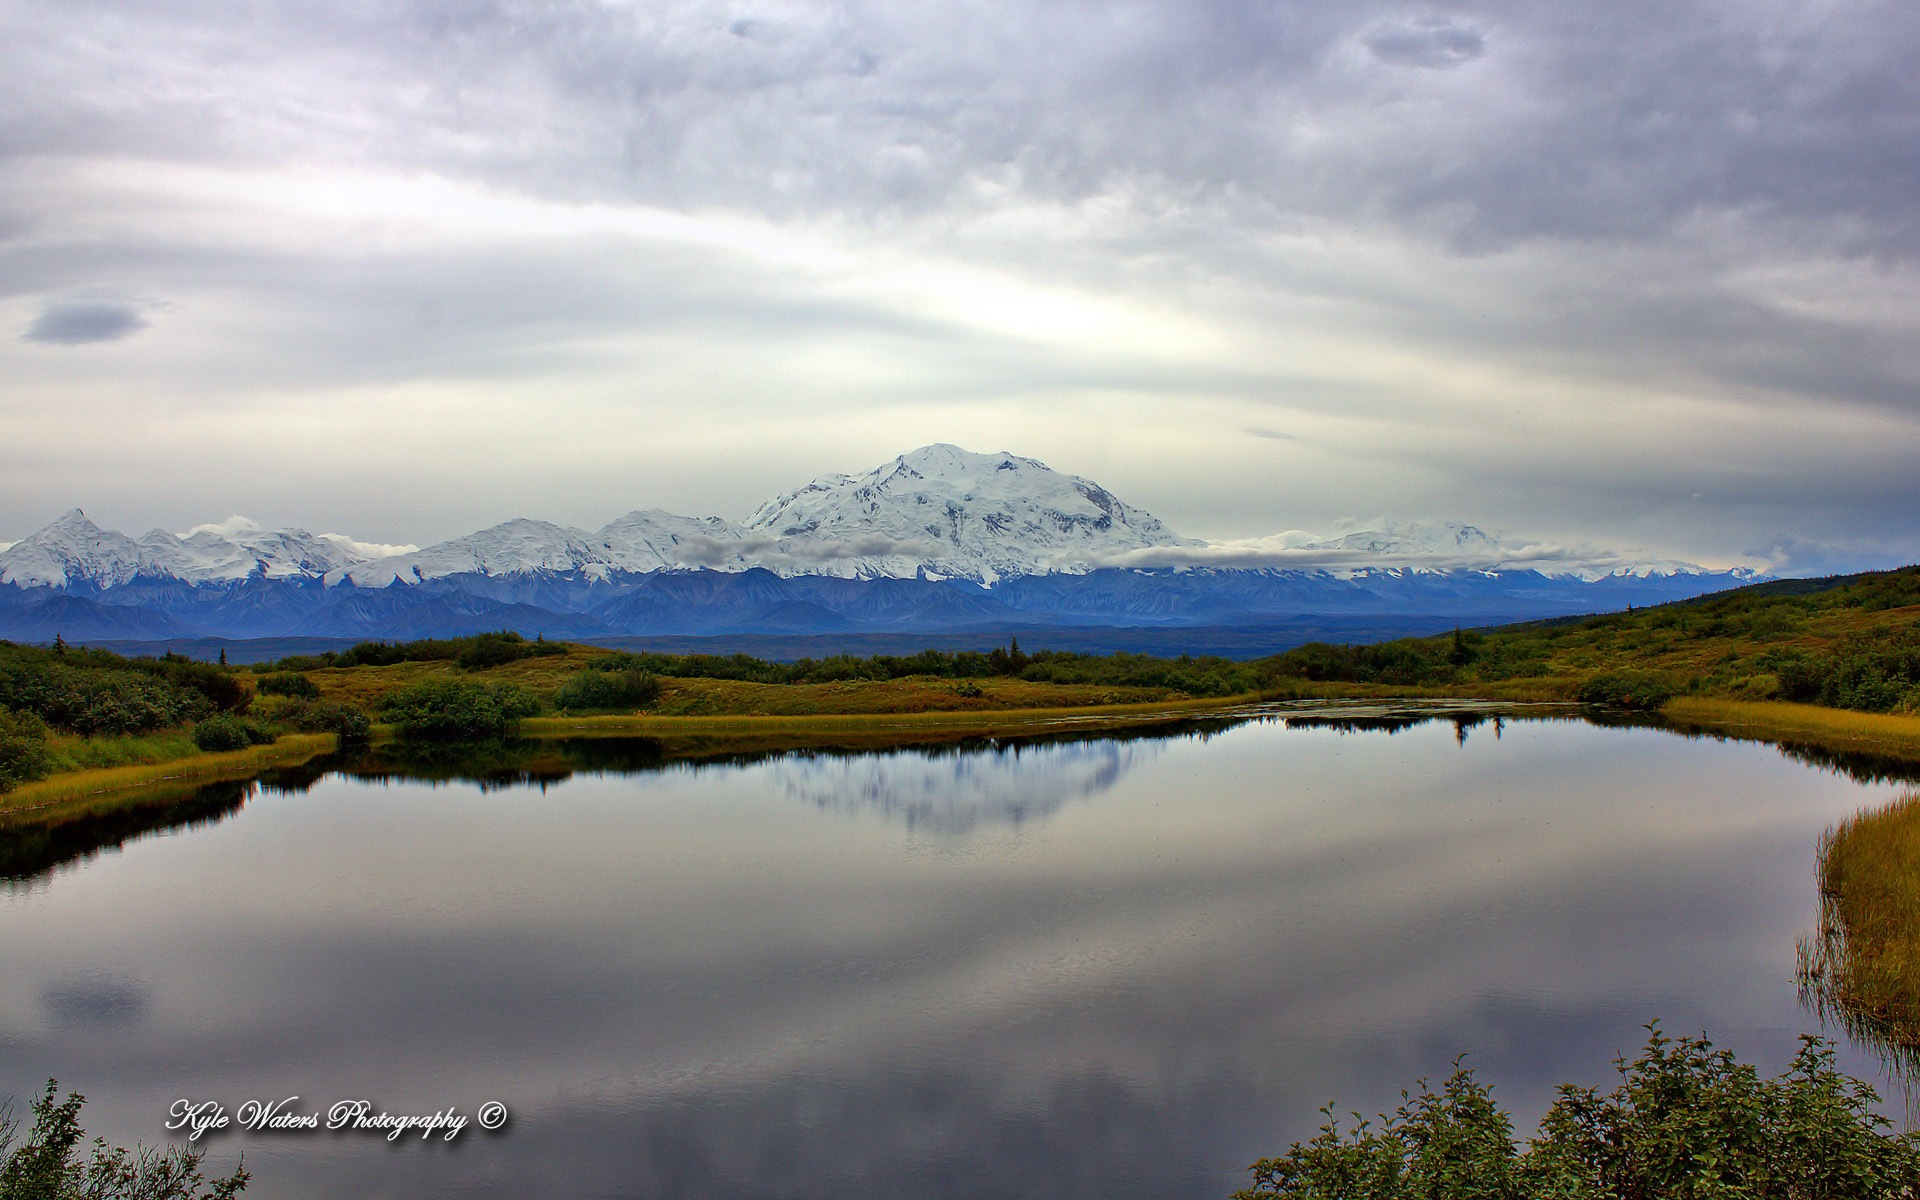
[(1773, 722)]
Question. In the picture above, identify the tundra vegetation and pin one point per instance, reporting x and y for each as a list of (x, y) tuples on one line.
[(1848, 644)]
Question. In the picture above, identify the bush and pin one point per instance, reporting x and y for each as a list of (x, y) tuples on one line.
[(220, 733), (493, 650), (1686, 1121), (344, 721), (1629, 690), (454, 709), (608, 689), (48, 1166), (23, 749), (287, 683), (96, 700)]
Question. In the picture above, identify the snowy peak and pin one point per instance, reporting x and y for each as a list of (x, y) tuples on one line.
[(945, 512), (512, 547), (73, 552), (651, 539)]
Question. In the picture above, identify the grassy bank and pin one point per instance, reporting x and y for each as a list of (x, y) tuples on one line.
[(1864, 965), (1836, 729), (88, 786)]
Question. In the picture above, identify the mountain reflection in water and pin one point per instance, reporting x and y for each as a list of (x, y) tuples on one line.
[(1071, 967), (952, 788)]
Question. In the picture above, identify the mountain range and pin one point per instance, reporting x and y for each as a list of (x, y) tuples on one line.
[(939, 539)]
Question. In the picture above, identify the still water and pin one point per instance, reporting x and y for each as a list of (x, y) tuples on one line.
[(1111, 967)]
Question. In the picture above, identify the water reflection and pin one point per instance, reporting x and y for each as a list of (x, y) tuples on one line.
[(747, 977), (955, 791)]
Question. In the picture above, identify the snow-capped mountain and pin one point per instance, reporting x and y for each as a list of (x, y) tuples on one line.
[(942, 512), (938, 539), (937, 513), (641, 541), (73, 552)]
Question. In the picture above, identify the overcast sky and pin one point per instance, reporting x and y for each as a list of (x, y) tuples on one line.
[(1640, 274)]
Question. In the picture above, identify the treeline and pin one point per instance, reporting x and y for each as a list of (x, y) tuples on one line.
[(94, 692), (1204, 676), (475, 653)]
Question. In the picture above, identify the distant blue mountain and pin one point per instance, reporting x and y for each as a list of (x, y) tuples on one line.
[(703, 603)]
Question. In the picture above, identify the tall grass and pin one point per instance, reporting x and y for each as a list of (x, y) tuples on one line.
[(1863, 966), (1775, 721), (69, 753), (109, 780)]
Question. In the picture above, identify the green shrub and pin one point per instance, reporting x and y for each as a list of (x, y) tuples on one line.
[(454, 709), (627, 688), (493, 650), (344, 721), (222, 732), (287, 683), (1687, 1120), (23, 749), (48, 1166), (1627, 689)]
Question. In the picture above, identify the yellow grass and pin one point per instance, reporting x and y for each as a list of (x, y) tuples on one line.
[(1778, 721), (1866, 962), (200, 768)]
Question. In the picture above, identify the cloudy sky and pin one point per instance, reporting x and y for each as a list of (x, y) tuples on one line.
[(1639, 274)]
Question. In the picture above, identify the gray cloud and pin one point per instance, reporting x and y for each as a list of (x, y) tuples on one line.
[(78, 322), (1428, 43), (1615, 247)]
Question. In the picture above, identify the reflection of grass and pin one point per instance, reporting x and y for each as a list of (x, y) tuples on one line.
[(85, 786), (1827, 728), (1864, 965)]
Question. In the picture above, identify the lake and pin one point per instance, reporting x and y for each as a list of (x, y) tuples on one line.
[(1112, 967)]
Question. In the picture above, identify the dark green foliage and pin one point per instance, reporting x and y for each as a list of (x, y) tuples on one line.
[(48, 1165), (454, 709), (1633, 690), (92, 692), (346, 722), (494, 649), (480, 650), (1687, 1121), (1196, 676), (1407, 661), (287, 683), (591, 688), (23, 748), (222, 732), (1876, 671)]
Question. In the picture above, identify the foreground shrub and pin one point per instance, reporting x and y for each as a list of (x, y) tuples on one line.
[(23, 749), (48, 1166), (452, 709), (1687, 1120), (221, 733), (608, 689)]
